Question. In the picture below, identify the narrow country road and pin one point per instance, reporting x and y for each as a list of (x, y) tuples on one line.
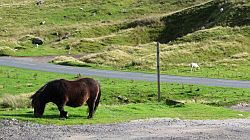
[(29, 63)]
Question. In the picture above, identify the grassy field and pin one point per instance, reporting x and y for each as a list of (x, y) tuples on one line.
[(121, 35), (122, 100), (123, 113)]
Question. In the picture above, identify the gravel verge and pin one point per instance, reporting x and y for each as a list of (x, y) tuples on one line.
[(157, 128)]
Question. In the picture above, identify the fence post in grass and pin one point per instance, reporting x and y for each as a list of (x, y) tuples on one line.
[(158, 70)]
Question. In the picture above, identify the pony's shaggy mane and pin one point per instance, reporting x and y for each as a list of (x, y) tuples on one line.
[(37, 94)]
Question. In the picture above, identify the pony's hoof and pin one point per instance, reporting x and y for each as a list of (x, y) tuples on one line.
[(89, 117), (64, 115)]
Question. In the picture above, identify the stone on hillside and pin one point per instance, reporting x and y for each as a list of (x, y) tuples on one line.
[(174, 103), (42, 23), (123, 99)]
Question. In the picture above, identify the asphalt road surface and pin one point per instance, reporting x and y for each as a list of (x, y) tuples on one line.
[(29, 63)]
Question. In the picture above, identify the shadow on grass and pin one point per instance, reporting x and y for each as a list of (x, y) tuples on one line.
[(19, 115), (46, 116), (184, 71)]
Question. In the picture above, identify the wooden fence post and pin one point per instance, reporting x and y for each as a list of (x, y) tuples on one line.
[(158, 70)]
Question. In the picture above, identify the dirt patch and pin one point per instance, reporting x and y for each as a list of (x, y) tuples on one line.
[(241, 107)]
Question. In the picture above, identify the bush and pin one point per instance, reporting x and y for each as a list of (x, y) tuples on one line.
[(6, 51)]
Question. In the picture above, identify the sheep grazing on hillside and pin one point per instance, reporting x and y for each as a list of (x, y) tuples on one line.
[(39, 2), (221, 9), (194, 66)]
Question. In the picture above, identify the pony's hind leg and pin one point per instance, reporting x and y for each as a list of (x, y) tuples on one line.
[(93, 103), (91, 106)]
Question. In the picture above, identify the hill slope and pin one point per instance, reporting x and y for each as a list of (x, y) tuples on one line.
[(53, 20), (122, 35)]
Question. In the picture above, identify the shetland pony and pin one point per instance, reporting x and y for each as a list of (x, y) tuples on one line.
[(71, 93)]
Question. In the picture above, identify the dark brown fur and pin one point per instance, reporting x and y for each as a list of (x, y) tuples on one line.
[(71, 93)]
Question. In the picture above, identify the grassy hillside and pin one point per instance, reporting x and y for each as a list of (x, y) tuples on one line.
[(218, 40), (122, 34), (20, 21)]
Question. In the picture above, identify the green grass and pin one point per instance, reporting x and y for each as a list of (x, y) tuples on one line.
[(137, 99), (16, 81), (123, 113)]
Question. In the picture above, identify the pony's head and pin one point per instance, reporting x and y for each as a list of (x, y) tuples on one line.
[(38, 102)]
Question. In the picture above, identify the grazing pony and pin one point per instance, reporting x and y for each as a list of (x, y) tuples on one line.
[(71, 93), (194, 66)]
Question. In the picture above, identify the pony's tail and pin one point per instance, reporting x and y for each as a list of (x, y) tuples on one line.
[(98, 98)]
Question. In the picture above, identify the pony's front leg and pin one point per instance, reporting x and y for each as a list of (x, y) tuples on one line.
[(63, 114)]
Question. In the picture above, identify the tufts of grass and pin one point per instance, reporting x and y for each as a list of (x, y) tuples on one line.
[(15, 101), (240, 55), (112, 57), (16, 81), (6, 51), (67, 60)]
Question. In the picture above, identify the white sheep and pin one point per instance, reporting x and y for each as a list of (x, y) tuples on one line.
[(221, 9), (194, 66)]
